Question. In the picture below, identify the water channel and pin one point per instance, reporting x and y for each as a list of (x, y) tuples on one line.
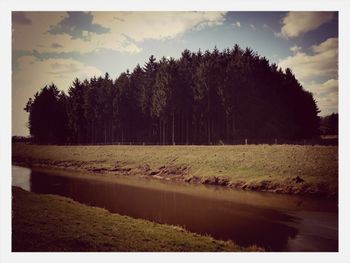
[(273, 221)]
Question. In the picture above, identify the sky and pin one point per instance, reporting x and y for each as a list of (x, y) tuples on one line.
[(57, 47)]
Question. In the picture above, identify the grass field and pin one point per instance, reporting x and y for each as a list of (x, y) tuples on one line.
[(53, 223), (276, 168)]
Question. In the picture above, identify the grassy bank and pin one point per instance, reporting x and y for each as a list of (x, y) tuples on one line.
[(54, 223), (275, 168)]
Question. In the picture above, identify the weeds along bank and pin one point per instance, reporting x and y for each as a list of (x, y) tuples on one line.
[(290, 169)]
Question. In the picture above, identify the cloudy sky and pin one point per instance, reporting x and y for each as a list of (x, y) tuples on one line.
[(59, 46)]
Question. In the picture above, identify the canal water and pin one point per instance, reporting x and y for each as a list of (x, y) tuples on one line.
[(273, 221)]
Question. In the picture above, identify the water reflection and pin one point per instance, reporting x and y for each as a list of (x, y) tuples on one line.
[(21, 177), (271, 228)]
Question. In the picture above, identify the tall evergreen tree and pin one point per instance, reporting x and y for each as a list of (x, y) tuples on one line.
[(48, 116)]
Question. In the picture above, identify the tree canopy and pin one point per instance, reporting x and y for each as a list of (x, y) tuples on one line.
[(200, 98)]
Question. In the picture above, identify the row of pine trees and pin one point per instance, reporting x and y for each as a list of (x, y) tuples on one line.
[(200, 98)]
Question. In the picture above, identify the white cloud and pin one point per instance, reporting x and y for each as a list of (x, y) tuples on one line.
[(59, 71), (295, 24), (295, 49), (156, 25), (237, 24), (326, 95), (320, 89), (34, 75), (85, 33), (35, 36), (252, 27), (132, 48), (308, 68), (322, 63), (329, 44), (123, 27)]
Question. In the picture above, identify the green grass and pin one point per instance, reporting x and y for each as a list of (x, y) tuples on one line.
[(53, 223), (274, 166)]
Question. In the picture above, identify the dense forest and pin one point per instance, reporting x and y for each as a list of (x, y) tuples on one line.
[(329, 124), (200, 98)]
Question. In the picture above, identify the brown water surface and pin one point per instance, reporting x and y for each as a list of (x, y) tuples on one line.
[(275, 222)]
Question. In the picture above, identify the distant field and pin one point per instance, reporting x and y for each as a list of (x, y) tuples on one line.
[(276, 168)]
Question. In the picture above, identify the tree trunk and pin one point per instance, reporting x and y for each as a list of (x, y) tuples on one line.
[(208, 129), (208, 109), (160, 131), (173, 129), (92, 132), (233, 126), (112, 131), (122, 135), (187, 139), (227, 129), (105, 132), (163, 132)]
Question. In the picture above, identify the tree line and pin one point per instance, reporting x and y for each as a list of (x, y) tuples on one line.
[(329, 124), (200, 98)]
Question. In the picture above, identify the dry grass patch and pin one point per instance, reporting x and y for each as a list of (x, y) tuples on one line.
[(280, 168)]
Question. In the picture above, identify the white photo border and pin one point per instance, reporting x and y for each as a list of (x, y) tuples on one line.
[(342, 6)]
